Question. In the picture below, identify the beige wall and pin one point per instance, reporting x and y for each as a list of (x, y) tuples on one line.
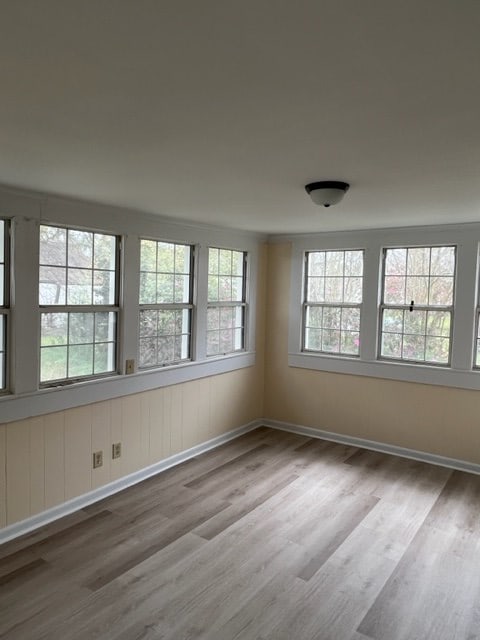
[(440, 420), (47, 460)]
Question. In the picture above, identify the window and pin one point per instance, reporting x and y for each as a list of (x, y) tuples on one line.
[(166, 303), (417, 304), (3, 302), (332, 302), (226, 301), (78, 294)]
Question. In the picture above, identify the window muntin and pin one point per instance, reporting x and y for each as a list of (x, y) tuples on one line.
[(4, 280), (332, 302), (166, 303), (78, 295), (226, 309), (417, 304)]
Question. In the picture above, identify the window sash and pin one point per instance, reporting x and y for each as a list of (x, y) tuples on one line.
[(450, 309), (88, 308), (167, 307)]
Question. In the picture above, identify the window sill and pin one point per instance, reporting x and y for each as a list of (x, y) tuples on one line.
[(405, 372), (48, 400)]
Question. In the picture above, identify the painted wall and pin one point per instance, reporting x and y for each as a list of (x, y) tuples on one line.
[(440, 420), (47, 460)]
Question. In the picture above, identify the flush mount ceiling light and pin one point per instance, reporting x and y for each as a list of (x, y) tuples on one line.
[(328, 192)]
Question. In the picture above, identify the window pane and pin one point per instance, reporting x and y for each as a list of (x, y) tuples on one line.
[(331, 341), (354, 263), (182, 258), (437, 350), (104, 252), (52, 285), (165, 257), (165, 288), (104, 287), (182, 289), (237, 289), (316, 290), (314, 317), (350, 342), (413, 347), (313, 339), (53, 363), (148, 323), (334, 263), (331, 317), (105, 327), (418, 261), (443, 261), (414, 322), (148, 255), (316, 263), (213, 319), (213, 343), (438, 323), (148, 352), (393, 320), (166, 349), (441, 291), (213, 261), (148, 288), (391, 345), (352, 289), (394, 290), (104, 358), (225, 262), (350, 319), (333, 289), (54, 329), (80, 328), (225, 289), (417, 290), (238, 264), (79, 283), (80, 360), (53, 246), (80, 248), (396, 262)]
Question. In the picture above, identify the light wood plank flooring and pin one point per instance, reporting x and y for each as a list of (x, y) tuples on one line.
[(272, 536)]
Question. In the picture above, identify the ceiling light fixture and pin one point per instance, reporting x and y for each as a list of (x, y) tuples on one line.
[(328, 192)]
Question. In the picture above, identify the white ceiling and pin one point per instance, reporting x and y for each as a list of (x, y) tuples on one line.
[(220, 112)]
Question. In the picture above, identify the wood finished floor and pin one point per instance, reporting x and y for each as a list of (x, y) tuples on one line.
[(272, 536)]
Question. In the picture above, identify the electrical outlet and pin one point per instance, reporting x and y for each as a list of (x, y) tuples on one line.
[(116, 450), (129, 366), (97, 459)]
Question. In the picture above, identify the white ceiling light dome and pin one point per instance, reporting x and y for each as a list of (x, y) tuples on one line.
[(327, 192)]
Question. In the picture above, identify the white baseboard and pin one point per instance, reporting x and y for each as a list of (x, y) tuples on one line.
[(39, 520), (362, 443), (25, 526)]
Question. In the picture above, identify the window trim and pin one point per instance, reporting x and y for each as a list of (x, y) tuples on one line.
[(5, 308), (347, 305), (461, 373), (231, 303), (383, 305), (191, 305), (81, 308)]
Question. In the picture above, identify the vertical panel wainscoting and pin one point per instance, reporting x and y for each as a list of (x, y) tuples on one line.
[(47, 460)]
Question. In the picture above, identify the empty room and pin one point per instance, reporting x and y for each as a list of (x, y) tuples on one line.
[(239, 320)]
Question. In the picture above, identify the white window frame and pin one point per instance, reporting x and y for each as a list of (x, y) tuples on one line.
[(461, 372), (174, 306), (404, 307), (218, 304), (86, 308), (5, 307), (337, 305)]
